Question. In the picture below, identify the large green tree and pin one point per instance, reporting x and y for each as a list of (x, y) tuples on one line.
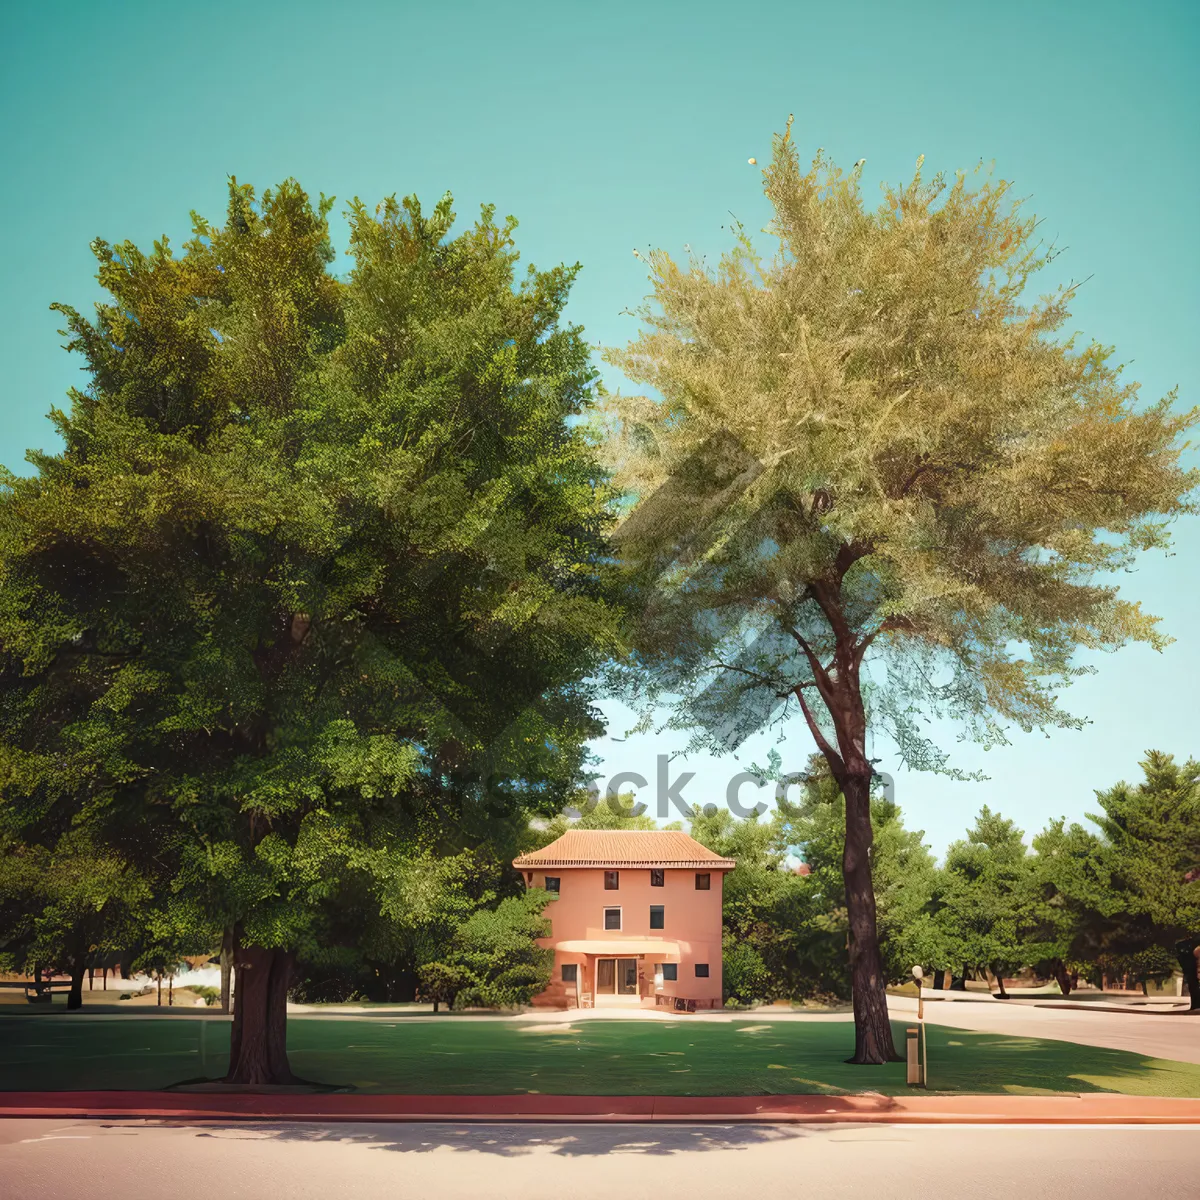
[(1072, 903), (1151, 845), (316, 578), (879, 487), (985, 901)]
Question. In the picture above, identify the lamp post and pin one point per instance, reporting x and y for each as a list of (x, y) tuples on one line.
[(918, 975)]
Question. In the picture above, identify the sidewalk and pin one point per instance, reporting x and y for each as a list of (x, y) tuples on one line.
[(1099, 1108)]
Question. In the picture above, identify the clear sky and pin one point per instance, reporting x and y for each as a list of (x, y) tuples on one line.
[(628, 124)]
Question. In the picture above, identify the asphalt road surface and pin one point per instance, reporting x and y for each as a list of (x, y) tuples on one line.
[(49, 1160), (1156, 1035)]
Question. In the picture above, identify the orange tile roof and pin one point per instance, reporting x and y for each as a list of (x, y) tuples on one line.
[(624, 848)]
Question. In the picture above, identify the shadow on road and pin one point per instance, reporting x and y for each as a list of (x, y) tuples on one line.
[(508, 1140)]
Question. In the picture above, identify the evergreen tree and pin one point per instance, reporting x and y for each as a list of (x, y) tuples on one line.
[(984, 898)]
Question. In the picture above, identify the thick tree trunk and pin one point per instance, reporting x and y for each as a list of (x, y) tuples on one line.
[(226, 965), (1062, 978), (258, 1042), (75, 995), (1000, 985), (872, 1026)]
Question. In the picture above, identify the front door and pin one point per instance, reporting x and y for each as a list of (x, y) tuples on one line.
[(616, 977)]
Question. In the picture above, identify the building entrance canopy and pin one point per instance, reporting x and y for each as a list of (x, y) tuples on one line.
[(621, 947)]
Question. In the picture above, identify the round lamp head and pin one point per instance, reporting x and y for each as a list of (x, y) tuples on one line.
[(918, 974)]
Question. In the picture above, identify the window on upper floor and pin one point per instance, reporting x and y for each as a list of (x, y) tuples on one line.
[(552, 882), (612, 881), (703, 881), (702, 970), (658, 877), (657, 916), (612, 918)]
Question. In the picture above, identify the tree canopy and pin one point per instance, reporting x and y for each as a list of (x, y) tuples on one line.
[(880, 485), (318, 577)]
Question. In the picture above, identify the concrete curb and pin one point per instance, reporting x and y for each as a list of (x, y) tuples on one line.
[(1099, 1108)]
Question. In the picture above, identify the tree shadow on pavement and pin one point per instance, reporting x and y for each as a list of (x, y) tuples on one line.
[(516, 1139)]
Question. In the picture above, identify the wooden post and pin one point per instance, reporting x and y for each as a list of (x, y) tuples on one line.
[(913, 1058)]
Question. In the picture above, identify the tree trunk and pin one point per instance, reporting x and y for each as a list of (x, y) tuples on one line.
[(226, 965), (1000, 985), (75, 995), (159, 981), (91, 978), (258, 1042), (1062, 978), (171, 992), (1188, 953), (872, 1026)]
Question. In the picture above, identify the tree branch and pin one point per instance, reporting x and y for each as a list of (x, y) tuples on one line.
[(820, 672), (831, 755), (763, 679), (887, 626)]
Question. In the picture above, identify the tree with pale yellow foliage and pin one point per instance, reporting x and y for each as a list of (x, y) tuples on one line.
[(879, 486)]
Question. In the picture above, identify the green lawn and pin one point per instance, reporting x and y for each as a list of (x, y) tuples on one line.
[(374, 1054)]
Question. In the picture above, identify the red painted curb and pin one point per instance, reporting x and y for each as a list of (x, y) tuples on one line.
[(1092, 1108)]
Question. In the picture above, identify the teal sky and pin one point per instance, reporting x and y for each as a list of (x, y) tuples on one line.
[(608, 127)]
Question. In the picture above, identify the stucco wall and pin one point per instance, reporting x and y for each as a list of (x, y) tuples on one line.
[(692, 919)]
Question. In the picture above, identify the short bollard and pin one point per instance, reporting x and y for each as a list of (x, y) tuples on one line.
[(914, 1058)]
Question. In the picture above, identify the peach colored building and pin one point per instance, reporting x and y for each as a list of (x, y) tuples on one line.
[(636, 918)]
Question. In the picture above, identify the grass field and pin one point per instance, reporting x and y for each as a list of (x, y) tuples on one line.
[(374, 1054)]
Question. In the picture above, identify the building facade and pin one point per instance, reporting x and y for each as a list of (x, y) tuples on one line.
[(635, 919)]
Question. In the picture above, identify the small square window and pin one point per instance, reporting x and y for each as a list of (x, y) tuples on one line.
[(552, 883), (612, 881), (657, 916), (658, 877), (703, 881), (570, 972), (702, 970), (612, 918), (669, 971)]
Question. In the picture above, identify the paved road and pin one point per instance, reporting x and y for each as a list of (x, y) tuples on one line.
[(1154, 1035), (46, 1160)]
